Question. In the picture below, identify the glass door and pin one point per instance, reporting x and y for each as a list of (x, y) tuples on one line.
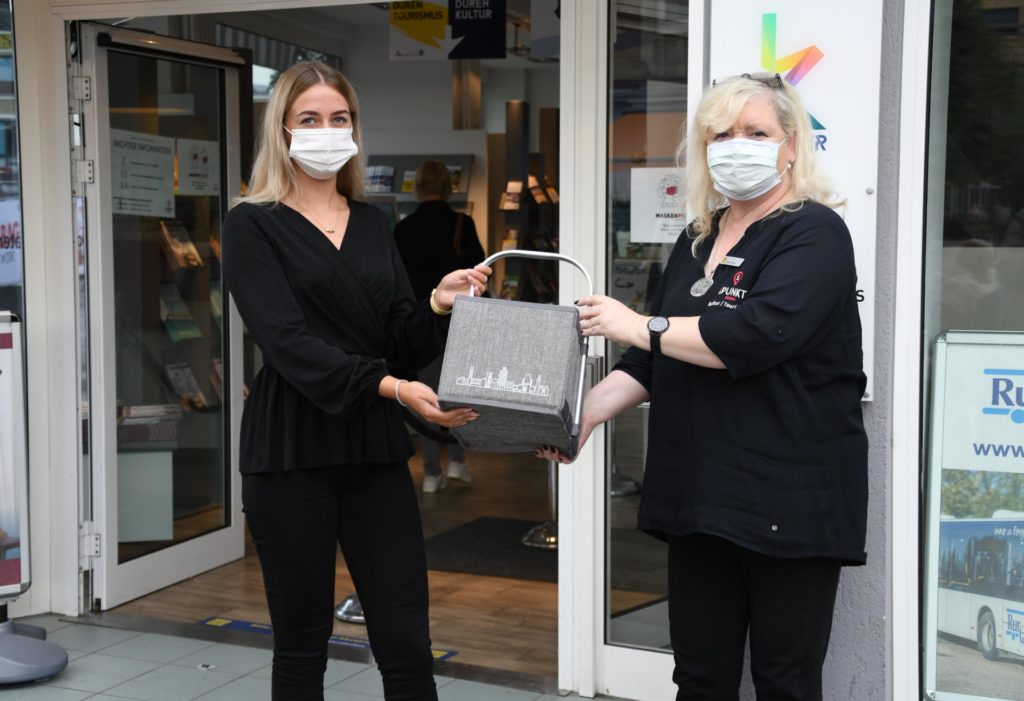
[(160, 121), (648, 57)]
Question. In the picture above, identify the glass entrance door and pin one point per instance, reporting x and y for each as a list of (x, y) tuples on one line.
[(648, 58), (159, 122)]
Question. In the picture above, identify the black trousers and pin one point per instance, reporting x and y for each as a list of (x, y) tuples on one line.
[(719, 591), (297, 520)]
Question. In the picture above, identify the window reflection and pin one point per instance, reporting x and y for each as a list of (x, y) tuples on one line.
[(11, 235), (166, 126), (983, 219), (975, 281), (647, 107)]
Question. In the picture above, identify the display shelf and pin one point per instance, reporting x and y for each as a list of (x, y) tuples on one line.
[(389, 179)]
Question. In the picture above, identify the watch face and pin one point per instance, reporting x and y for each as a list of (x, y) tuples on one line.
[(657, 324)]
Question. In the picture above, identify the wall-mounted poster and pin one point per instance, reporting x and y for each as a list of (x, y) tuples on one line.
[(198, 167), (974, 575), (832, 56), (143, 173), (14, 574), (657, 213), (10, 241), (457, 29)]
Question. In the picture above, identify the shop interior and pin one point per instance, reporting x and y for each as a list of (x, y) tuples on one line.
[(495, 123)]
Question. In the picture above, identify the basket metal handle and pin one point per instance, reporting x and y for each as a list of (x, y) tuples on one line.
[(540, 255)]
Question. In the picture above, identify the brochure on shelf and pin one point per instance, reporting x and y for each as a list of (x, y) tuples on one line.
[(215, 243), (216, 305), (175, 315), (178, 247), (539, 196), (409, 181), (510, 198), (217, 377), (184, 383), (148, 423), (380, 178), (455, 172)]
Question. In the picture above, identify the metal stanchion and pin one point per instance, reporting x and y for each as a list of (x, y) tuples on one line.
[(545, 536), (350, 610), (619, 486)]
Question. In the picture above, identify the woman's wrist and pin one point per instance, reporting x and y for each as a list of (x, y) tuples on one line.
[(643, 333), (437, 308)]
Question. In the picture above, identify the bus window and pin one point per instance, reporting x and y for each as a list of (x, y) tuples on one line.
[(989, 571), (958, 574), (1015, 588)]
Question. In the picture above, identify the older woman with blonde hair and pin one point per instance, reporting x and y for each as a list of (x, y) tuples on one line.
[(756, 471), (320, 285)]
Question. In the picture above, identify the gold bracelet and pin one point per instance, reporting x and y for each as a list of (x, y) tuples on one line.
[(436, 309)]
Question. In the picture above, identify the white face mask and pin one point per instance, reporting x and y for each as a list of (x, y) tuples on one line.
[(742, 169), (321, 153)]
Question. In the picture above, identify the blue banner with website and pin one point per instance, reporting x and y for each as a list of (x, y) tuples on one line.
[(974, 594)]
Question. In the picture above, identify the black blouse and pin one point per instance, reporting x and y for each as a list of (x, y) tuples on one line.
[(771, 452), (327, 320)]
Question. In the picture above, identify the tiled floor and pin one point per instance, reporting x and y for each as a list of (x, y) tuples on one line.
[(111, 664), (645, 626)]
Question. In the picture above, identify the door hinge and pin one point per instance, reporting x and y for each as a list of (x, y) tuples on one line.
[(91, 545), (85, 171), (81, 88)]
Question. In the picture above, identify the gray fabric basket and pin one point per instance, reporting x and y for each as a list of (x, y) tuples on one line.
[(519, 365)]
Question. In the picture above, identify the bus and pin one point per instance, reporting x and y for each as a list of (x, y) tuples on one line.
[(981, 583)]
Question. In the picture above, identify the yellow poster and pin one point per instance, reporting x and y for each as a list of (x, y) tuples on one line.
[(419, 31)]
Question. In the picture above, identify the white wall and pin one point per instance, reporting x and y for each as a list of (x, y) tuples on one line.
[(538, 85), (397, 95)]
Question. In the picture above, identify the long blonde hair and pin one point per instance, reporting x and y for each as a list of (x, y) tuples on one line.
[(273, 173), (433, 180), (718, 110)]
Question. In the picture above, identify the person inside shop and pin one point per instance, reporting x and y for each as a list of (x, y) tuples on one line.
[(433, 241), (319, 283), (756, 471)]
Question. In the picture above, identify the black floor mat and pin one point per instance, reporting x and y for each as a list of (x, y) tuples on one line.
[(491, 547)]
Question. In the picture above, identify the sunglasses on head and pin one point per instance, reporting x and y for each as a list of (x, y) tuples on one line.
[(772, 80)]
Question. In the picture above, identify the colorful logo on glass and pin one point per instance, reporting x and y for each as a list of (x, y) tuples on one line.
[(798, 64)]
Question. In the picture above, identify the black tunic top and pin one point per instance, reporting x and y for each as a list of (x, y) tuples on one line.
[(327, 320), (425, 239), (770, 453)]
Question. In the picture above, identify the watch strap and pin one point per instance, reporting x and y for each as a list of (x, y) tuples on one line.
[(655, 343), (655, 339)]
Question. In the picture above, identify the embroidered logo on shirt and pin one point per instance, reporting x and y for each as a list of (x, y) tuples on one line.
[(732, 293), (728, 296)]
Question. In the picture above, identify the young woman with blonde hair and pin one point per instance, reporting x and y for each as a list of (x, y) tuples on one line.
[(319, 284)]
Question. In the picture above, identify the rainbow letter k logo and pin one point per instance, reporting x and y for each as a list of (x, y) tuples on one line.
[(798, 63)]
